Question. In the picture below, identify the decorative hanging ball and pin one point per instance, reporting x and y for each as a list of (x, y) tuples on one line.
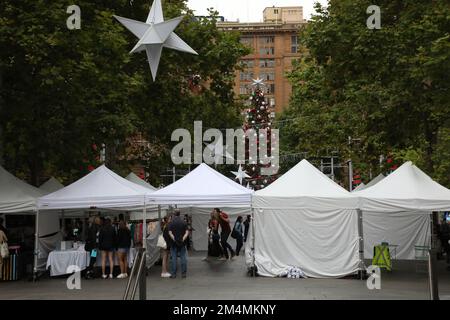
[(253, 182), (265, 180), (253, 168), (253, 121), (262, 186)]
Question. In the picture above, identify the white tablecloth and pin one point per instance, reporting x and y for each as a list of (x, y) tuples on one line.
[(59, 261)]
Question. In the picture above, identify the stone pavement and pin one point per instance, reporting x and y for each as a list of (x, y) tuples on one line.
[(227, 280)]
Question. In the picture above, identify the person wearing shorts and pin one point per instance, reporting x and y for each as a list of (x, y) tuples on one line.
[(107, 239), (123, 248)]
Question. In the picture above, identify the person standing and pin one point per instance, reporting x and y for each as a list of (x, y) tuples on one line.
[(107, 242), (224, 222), (91, 245), (444, 234), (123, 248), (178, 232), (165, 252), (3, 239), (247, 226), (214, 248), (239, 234)]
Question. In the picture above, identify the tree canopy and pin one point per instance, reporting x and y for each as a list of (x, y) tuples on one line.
[(66, 92), (386, 88)]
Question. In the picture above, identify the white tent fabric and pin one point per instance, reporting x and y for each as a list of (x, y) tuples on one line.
[(406, 189), (102, 188), (203, 187), (51, 185), (304, 219), (375, 181), (403, 229), (135, 179), (16, 195)]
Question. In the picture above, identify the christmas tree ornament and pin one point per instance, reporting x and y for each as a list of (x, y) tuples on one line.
[(240, 174), (155, 34)]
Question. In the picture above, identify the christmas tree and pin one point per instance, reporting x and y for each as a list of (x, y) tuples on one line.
[(258, 119)]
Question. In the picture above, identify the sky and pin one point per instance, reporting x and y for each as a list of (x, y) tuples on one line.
[(248, 10)]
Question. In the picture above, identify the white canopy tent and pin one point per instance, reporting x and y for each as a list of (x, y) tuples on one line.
[(18, 197), (306, 220), (100, 189), (203, 187), (198, 193), (397, 210)]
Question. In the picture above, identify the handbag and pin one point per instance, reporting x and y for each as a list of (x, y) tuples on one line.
[(4, 251), (161, 242)]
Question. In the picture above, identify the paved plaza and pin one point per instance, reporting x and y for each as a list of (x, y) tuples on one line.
[(227, 280)]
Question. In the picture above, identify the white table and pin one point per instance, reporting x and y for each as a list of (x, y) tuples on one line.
[(59, 261)]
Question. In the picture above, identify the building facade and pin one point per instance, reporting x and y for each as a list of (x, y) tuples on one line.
[(274, 45)]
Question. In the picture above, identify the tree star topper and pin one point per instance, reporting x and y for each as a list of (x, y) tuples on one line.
[(155, 34)]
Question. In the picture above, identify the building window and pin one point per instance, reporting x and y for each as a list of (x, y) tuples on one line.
[(243, 89), (267, 51), (267, 76), (246, 76), (275, 11), (268, 39), (267, 63), (294, 44), (247, 63), (247, 41), (270, 89)]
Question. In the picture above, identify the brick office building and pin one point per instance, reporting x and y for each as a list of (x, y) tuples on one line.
[(274, 44)]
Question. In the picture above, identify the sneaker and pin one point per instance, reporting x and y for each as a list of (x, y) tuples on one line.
[(183, 275), (125, 275), (120, 276), (223, 259), (104, 276), (172, 276), (165, 275), (111, 276), (232, 255)]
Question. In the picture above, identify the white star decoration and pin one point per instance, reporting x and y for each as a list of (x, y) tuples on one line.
[(155, 34), (258, 82), (240, 174)]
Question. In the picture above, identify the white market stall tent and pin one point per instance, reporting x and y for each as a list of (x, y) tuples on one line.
[(397, 210), (305, 220), (198, 193), (19, 198), (203, 187), (100, 189)]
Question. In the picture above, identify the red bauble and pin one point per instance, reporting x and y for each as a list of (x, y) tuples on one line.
[(90, 168)]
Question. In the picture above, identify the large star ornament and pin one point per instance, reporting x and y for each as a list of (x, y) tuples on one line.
[(155, 34), (240, 174)]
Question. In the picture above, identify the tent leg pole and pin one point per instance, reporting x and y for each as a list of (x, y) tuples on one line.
[(144, 226), (253, 243), (361, 244), (36, 245), (159, 214)]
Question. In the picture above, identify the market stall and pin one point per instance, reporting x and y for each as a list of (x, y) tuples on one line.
[(397, 210), (304, 220), (102, 189)]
